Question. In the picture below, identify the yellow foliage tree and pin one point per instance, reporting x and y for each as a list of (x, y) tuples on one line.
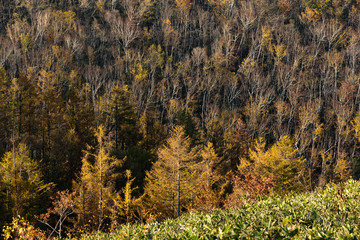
[(185, 5), (310, 15), (279, 163), (254, 178), (127, 205), (257, 163), (342, 171), (21, 229), (208, 197), (220, 6), (286, 168), (170, 183), (22, 182), (356, 126), (95, 188)]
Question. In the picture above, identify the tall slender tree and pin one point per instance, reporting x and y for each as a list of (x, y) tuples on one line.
[(170, 183), (209, 181), (96, 185)]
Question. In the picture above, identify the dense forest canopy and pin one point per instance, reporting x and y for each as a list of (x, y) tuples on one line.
[(97, 97)]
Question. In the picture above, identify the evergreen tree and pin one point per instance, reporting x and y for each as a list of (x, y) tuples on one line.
[(124, 130), (123, 122), (49, 112), (76, 133), (5, 110), (24, 121), (185, 119)]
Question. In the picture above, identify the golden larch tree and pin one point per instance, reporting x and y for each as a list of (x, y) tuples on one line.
[(209, 181), (21, 180), (286, 167), (170, 183), (280, 163), (96, 186)]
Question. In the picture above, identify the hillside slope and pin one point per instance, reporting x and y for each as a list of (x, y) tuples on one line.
[(330, 213)]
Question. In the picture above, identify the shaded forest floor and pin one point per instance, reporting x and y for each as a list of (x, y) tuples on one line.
[(329, 213)]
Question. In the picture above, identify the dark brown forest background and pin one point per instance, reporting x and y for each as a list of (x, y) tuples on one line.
[(252, 89)]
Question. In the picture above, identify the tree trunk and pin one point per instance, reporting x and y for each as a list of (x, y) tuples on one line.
[(178, 200)]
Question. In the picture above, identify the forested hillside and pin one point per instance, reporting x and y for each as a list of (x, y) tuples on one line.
[(137, 110)]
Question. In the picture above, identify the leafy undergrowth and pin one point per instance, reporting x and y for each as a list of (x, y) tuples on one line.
[(331, 213)]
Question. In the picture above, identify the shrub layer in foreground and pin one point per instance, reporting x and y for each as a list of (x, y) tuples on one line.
[(331, 213)]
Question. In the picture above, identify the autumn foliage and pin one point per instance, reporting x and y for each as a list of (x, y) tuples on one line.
[(145, 110)]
